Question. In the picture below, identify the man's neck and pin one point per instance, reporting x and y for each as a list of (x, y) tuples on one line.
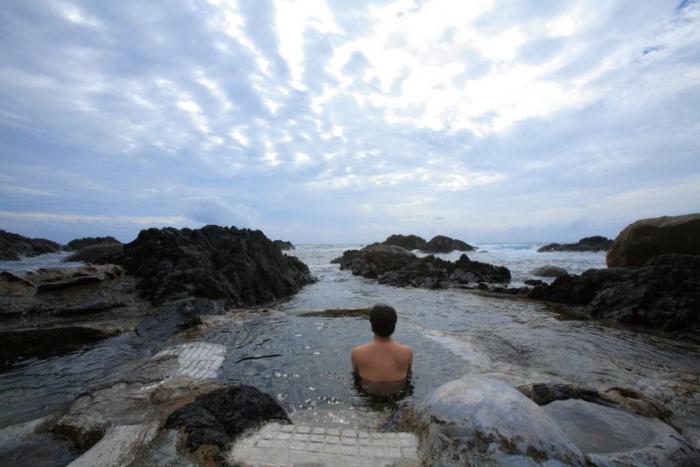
[(382, 340)]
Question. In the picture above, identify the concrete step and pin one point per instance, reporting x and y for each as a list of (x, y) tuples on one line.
[(118, 447), (278, 445)]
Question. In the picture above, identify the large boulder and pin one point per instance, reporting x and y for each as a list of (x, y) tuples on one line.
[(595, 243), (483, 421), (646, 238), (14, 246), (663, 294), (99, 253), (549, 271), (80, 243), (240, 266), (409, 242), (219, 417), (443, 244)]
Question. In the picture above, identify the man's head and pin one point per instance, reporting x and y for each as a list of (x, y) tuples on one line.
[(383, 320)]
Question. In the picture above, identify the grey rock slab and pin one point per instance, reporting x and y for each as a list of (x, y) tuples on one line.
[(611, 437), (476, 421)]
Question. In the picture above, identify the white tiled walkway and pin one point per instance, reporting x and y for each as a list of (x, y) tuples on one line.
[(197, 359), (276, 445)]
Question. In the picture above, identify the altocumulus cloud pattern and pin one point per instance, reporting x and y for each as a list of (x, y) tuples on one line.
[(347, 120)]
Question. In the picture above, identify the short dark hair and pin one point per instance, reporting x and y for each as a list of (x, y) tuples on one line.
[(383, 320)]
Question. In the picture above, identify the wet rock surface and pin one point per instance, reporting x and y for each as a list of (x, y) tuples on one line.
[(24, 344), (641, 241), (242, 267), (664, 294), (221, 416), (595, 243), (399, 267), (169, 320), (14, 246), (478, 421), (443, 244), (53, 311)]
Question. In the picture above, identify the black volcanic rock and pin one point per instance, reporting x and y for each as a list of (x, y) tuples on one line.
[(409, 242), (219, 417), (442, 244), (393, 265), (241, 267), (13, 246), (80, 243), (595, 243), (283, 245), (646, 238), (663, 294)]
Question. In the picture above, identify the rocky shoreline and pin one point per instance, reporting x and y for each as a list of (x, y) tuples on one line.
[(166, 408)]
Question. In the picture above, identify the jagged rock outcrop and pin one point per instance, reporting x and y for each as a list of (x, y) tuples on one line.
[(663, 294), (14, 246), (409, 242), (219, 417), (53, 311), (239, 266), (283, 245), (443, 244), (646, 238), (595, 243), (399, 267), (80, 243)]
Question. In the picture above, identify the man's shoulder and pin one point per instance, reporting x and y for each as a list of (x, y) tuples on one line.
[(404, 349), (362, 347)]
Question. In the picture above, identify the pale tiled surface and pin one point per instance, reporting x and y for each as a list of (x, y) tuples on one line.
[(276, 445), (197, 359)]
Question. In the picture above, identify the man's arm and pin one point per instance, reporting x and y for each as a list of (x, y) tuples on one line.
[(353, 359)]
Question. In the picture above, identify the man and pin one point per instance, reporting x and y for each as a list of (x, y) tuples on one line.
[(382, 365)]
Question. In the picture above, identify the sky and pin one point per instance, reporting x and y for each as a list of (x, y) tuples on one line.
[(344, 121)]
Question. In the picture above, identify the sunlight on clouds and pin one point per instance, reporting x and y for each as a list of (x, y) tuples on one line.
[(292, 18), (428, 46), (426, 178)]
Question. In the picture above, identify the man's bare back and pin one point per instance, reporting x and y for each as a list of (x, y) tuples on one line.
[(382, 365), (384, 359)]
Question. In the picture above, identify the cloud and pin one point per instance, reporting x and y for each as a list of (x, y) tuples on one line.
[(478, 117), (213, 210)]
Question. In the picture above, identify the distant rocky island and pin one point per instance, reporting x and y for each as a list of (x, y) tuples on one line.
[(595, 243), (438, 244)]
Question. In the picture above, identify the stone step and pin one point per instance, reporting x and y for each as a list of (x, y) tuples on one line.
[(277, 445), (118, 447)]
